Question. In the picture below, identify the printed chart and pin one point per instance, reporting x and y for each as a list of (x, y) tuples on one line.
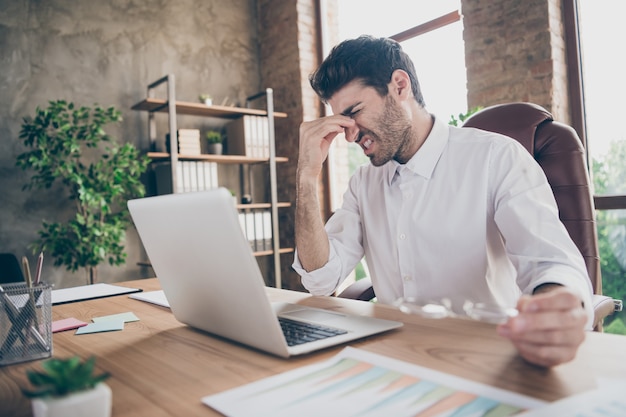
[(359, 383)]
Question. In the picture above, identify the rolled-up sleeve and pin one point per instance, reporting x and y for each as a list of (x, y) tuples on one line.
[(322, 281)]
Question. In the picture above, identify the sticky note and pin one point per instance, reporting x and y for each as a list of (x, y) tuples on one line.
[(103, 326), (67, 324), (125, 317)]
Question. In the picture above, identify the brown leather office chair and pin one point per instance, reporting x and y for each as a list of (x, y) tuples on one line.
[(559, 151)]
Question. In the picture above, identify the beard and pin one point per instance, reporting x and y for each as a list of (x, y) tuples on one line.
[(394, 135)]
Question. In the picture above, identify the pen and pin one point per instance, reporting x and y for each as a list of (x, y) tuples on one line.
[(39, 266)]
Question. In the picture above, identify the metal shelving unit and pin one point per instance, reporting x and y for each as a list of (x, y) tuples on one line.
[(172, 108)]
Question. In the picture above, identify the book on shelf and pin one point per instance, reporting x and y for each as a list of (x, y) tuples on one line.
[(188, 142), (190, 176), (249, 136)]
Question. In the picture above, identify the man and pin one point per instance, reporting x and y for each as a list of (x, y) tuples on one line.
[(441, 212)]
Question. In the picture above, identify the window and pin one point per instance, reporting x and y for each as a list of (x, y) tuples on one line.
[(604, 91)]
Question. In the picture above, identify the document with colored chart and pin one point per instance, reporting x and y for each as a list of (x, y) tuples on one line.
[(359, 383)]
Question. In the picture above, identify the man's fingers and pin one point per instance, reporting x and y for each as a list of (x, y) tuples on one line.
[(561, 330), (558, 299), (327, 127), (326, 131), (316, 137), (572, 318)]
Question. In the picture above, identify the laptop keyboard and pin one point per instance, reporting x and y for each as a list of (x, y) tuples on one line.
[(297, 333)]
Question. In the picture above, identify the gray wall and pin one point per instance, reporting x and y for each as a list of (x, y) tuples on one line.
[(106, 52)]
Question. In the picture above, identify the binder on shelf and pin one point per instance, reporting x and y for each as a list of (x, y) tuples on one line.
[(247, 226), (248, 136), (200, 176), (259, 236), (252, 227), (190, 175), (264, 229), (187, 185), (256, 225)]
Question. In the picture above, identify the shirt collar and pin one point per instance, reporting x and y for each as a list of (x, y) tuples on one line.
[(425, 159)]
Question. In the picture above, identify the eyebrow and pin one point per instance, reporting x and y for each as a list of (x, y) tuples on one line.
[(349, 110)]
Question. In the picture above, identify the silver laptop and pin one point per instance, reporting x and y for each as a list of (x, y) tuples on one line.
[(213, 282)]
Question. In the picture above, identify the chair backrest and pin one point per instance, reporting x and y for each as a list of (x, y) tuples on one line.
[(10, 270), (559, 151)]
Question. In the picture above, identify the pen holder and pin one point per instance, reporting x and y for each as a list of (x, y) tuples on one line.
[(25, 322)]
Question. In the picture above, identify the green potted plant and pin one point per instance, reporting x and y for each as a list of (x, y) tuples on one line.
[(214, 142), (206, 99), (67, 388), (70, 149), (463, 116)]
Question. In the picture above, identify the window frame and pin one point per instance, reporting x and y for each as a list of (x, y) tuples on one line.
[(575, 77)]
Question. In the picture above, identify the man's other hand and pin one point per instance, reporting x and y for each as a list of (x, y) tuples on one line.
[(549, 328)]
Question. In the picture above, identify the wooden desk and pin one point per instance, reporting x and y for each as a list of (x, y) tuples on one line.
[(160, 367)]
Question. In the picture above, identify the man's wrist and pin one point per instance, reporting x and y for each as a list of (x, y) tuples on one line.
[(546, 287), (549, 286)]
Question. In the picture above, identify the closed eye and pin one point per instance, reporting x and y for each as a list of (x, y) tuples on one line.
[(350, 111), (353, 113)]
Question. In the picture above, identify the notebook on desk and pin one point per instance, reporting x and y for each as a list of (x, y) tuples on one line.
[(213, 283)]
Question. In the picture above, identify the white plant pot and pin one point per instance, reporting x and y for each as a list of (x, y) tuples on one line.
[(95, 402), (215, 148)]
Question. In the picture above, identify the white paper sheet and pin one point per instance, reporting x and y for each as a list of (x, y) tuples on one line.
[(88, 292), (154, 297)]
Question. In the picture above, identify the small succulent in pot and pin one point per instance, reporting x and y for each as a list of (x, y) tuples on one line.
[(61, 377)]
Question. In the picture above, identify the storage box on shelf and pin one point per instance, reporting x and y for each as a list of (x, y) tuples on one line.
[(250, 134)]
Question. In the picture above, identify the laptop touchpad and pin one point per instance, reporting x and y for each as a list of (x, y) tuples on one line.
[(312, 315)]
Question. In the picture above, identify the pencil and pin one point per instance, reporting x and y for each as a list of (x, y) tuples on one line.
[(39, 267), (26, 268)]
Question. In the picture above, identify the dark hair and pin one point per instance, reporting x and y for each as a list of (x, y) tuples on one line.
[(370, 60)]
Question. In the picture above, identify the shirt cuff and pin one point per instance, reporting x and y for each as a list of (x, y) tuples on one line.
[(322, 281)]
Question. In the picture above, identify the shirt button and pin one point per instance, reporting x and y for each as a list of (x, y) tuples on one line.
[(402, 236)]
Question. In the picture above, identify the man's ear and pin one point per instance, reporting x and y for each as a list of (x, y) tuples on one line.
[(400, 85)]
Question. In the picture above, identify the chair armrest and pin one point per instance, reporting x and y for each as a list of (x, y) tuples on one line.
[(603, 306), (360, 290)]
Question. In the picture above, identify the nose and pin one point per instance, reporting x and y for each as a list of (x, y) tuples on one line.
[(352, 133)]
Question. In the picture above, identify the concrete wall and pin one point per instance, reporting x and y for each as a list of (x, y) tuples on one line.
[(106, 52)]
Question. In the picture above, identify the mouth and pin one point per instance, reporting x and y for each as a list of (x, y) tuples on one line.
[(365, 143)]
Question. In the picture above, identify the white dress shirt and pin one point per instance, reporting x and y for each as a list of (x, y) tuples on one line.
[(470, 217)]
